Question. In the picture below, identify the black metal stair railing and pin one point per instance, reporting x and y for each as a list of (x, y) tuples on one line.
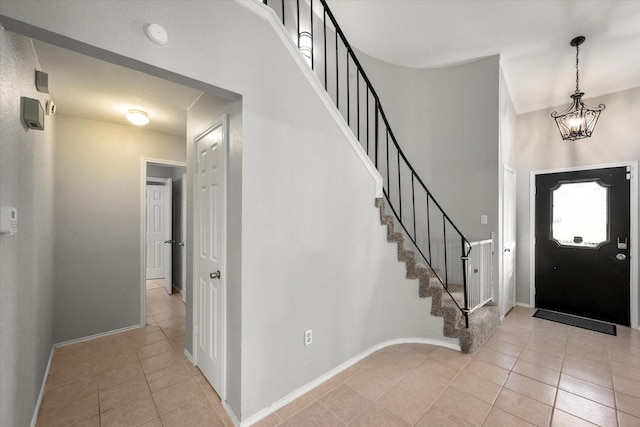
[(323, 44)]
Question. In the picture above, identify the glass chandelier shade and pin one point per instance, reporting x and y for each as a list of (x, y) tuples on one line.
[(579, 120)]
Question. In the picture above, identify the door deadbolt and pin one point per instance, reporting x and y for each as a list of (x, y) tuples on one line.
[(215, 275)]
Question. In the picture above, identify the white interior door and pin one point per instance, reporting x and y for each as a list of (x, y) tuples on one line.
[(508, 297), (156, 232), (209, 254), (158, 212)]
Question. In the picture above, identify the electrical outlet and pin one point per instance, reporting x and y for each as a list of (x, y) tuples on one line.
[(308, 337)]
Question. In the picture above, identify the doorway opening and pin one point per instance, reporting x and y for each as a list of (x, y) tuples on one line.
[(163, 231), (177, 105)]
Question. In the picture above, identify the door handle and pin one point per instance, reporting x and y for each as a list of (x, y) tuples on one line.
[(621, 257), (215, 275), (169, 241), (507, 250)]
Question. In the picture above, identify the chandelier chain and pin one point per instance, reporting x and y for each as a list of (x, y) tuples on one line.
[(577, 71)]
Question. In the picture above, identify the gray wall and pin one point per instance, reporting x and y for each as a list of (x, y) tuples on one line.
[(164, 171), (26, 276), (446, 120), (97, 221), (538, 146), (306, 247)]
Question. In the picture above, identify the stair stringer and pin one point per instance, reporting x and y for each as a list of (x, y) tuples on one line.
[(482, 322)]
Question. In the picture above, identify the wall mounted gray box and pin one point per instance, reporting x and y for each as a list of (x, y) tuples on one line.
[(42, 81), (32, 113)]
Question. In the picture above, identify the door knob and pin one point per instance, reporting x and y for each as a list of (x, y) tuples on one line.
[(169, 241), (181, 244), (507, 250), (215, 275), (621, 257)]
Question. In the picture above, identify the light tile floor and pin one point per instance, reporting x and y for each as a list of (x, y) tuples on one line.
[(530, 372), (134, 378)]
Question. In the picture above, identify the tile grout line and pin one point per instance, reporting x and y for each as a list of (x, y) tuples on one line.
[(502, 387)]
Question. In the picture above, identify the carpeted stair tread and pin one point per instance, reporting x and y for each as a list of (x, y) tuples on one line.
[(482, 322)]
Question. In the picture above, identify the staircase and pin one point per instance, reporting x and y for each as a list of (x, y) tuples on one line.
[(484, 320), (440, 261)]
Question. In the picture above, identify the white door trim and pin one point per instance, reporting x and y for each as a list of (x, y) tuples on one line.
[(144, 161), (224, 124), (183, 227), (501, 278), (634, 285)]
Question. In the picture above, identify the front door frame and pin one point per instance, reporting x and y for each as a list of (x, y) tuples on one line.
[(632, 167)]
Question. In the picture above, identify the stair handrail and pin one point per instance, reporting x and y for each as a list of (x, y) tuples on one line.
[(465, 246)]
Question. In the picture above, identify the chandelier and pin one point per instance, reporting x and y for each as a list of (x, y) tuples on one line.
[(579, 120)]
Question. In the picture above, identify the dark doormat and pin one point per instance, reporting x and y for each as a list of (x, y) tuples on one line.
[(579, 322)]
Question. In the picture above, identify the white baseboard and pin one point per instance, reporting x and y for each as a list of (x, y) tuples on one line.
[(521, 304), (231, 415), (189, 357), (34, 420), (313, 384), (100, 335), (36, 411)]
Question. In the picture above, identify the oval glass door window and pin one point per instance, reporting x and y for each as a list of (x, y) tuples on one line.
[(580, 214)]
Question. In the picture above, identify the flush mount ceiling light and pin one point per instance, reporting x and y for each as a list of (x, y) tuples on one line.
[(579, 120), (138, 117)]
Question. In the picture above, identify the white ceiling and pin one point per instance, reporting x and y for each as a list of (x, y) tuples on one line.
[(94, 89), (532, 37)]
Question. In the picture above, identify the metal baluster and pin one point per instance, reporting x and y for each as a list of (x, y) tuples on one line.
[(358, 102), (298, 20), (387, 155), (429, 227), (376, 132), (368, 111), (324, 23), (399, 178), (413, 200), (348, 92), (465, 260), (337, 66), (444, 237)]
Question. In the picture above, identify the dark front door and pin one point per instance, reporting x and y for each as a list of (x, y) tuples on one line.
[(582, 243)]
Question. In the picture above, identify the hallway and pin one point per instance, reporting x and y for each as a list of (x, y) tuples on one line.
[(139, 377)]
